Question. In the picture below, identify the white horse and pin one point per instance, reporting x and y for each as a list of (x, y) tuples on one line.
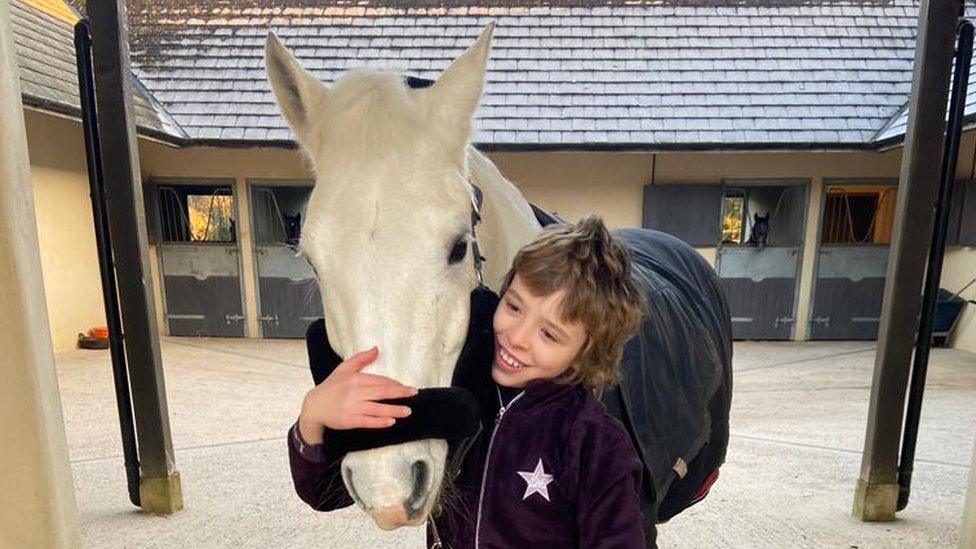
[(388, 232)]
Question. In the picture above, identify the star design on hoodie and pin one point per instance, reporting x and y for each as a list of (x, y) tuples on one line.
[(537, 482)]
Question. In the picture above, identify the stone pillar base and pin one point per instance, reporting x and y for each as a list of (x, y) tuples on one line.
[(875, 502), (161, 495)]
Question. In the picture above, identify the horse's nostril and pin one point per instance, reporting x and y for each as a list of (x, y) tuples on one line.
[(420, 472)]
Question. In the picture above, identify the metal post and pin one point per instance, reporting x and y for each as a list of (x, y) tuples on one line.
[(159, 486), (876, 493), (933, 274)]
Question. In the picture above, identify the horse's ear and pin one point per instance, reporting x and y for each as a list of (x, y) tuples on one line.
[(298, 92), (455, 95)]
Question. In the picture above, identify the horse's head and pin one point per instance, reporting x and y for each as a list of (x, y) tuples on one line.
[(388, 232), (760, 229)]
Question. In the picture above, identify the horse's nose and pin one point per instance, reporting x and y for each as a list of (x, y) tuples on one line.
[(420, 474), (408, 511), (390, 518), (395, 516)]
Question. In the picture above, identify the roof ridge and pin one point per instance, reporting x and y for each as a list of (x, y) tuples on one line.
[(891, 122), (165, 117)]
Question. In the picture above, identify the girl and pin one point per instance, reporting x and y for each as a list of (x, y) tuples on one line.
[(554, 469)]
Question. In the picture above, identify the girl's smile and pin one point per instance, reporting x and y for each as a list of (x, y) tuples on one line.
[(505, 361)]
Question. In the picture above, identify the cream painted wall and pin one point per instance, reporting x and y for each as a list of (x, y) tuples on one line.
[(37, 497), (959, 269), (159, 160), (573, 184), (960, 262), (65, 228)]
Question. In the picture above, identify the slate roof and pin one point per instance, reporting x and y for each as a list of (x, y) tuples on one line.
[(49, 74), (827, 75), (645, 74)]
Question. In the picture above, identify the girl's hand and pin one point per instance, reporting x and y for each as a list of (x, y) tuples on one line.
[(347, 399)]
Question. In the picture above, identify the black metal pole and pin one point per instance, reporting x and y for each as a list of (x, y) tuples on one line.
[(105, 263), (923, 345)]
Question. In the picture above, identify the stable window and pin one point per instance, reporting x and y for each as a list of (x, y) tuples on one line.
[(278, 212), (763, 214), (196, 214), (211, 217), (859, 214)]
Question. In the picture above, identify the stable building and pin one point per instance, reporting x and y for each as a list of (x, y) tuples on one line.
[(767, 137)]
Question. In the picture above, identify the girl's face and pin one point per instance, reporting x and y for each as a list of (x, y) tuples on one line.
[(531, 339)]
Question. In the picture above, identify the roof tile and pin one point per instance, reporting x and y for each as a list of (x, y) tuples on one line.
[(608, 74)]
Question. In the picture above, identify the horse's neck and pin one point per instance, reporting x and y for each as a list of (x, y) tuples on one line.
[(507, 219)]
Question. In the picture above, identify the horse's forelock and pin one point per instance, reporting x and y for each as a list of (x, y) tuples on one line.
[(373, 114), (370, 112)]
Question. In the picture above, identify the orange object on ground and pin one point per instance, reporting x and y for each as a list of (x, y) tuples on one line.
[(99, 332)]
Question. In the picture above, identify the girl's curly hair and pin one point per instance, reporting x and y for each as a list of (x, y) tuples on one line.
[(594, 269)]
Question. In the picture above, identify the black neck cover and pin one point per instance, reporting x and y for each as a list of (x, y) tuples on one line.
[(450, 413)]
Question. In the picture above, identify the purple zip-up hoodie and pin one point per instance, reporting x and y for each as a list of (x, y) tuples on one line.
[(550, 470)]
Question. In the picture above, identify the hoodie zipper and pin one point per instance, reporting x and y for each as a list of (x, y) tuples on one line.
[(484, 474)]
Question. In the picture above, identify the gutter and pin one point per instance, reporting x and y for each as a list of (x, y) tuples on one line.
[(578, 147), (47, 106)]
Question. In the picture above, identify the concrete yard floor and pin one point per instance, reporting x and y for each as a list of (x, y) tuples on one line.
[(798, 420)]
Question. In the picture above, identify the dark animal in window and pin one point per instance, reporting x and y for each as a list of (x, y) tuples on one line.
[(760, 231)]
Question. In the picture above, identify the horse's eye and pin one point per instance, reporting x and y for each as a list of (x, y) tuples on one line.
[(458, 252)]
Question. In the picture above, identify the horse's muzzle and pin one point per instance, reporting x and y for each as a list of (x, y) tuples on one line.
[(408, 512)]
